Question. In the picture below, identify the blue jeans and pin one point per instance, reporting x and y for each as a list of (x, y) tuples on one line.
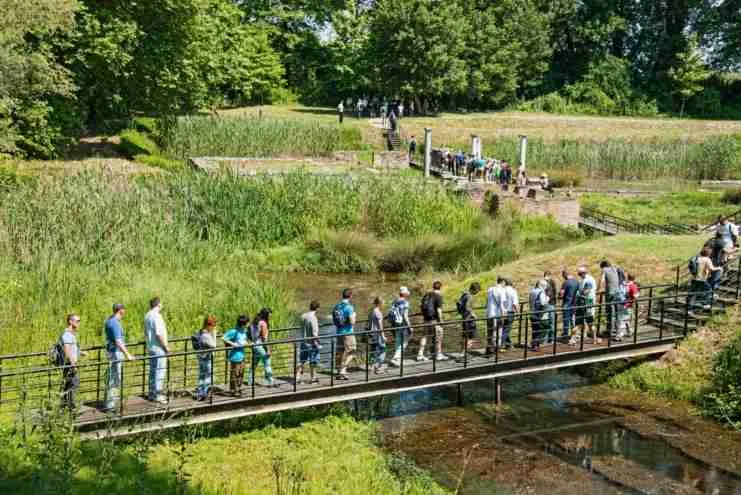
[(157, 372), (568, 320), (401, 339), (261, 356), (205, 362), (379, 352), (506, 328), (703, 293), (715, 278), (613, 313), (309, 352), (113, 379), (551, 323)]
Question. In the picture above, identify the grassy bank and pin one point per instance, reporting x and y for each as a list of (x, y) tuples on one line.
[(705, 369), (335, 454), (688, 208), (651, 258)]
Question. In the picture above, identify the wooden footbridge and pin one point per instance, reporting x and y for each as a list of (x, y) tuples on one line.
[(663, 315)]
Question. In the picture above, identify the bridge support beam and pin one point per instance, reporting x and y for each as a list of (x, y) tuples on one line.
[(428, 150), (459, 395), (523, 152)]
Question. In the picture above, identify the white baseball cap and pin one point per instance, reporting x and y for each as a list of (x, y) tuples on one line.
[(404, 291)]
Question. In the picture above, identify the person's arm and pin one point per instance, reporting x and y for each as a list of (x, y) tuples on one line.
[(353, 318), (439, 311), (315, 331), (71, 358), (122, 347), (159, 333), (599, 284), (227, 338)]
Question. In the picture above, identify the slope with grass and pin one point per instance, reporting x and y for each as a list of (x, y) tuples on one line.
[(651, 258)]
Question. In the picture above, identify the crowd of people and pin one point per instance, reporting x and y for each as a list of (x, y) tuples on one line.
[(574, 302)]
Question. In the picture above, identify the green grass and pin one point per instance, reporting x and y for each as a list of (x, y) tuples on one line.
[(335, 454), (254, 137), (689, 208)]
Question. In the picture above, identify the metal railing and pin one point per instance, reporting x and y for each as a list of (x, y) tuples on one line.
[(32, 385), (595, 219)]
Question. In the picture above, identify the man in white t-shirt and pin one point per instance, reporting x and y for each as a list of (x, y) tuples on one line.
[(511, 305), (495, 296), (155, 333)]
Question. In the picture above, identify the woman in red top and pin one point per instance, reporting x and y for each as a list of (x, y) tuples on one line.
[(632, 292)]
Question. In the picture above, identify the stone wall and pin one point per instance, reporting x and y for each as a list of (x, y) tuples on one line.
[(391, 159)]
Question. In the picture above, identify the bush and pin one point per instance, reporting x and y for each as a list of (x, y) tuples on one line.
[(724, 400), (135, 143), (145, 124), (159, 161), (562, 179), (732, 197)]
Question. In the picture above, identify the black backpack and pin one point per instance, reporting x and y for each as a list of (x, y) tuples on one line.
[(428, 306), (338, 315), (693, 265), (195, 341), (460, 304), (56, 354)]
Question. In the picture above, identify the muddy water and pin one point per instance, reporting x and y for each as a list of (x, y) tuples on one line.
[(554, 434)]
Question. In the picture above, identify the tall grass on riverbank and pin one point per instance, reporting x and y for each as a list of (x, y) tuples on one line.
[(254, 137), (716, 158)]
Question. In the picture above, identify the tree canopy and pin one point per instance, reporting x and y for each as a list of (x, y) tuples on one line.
[(67, 66)]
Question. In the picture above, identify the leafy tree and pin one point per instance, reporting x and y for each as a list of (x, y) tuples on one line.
[(31, 77), (415, 48), (689, 73)]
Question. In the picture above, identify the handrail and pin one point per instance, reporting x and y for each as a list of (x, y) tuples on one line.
[(633, 226), (733, 216)]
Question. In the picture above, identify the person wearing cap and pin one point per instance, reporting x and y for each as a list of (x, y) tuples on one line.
[(117, 351), (155, 333), (343, 316), (399, 319)]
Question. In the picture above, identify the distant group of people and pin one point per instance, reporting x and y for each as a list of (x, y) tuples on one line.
[(390, 111)]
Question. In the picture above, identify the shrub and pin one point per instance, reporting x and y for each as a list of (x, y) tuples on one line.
[(136, 143), (145, 124), (724, 401), (732, 196), (565, 178), (159, 161)]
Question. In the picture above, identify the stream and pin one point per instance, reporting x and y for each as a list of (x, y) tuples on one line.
[(554, 433)]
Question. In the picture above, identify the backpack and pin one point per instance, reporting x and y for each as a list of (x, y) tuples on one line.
[(56, 354), (428, 306), (620, 275), (195, 341), (538, 306), (460, 304), (395, 316), (338, 315), (693, 265)]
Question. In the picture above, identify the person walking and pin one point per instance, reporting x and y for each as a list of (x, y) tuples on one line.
[(632, 293), (464, 306), (552, 294), (398, 318), (702, 269), (728, 231), (343, 317), (204, 343), (70, 373), (585, 300), (495, 297), (609, 284), (261, 353), (155, 333), (432, 316), (236, 339), (341, 111), (310, 346), (510, 306), (117, 351), (376, 336), (569, 291), (412, 148), (539, 320)]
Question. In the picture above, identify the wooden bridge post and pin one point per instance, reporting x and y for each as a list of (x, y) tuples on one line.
[(428, 150), (497, 391), (523, 151), (459, 395)]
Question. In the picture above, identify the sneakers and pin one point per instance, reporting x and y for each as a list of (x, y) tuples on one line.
[(421, 358), (395, 362), (160, 399), (342, 376), (441, 357)]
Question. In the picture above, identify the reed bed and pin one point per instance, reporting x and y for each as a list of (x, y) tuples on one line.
[(716, 158), (254, 137)]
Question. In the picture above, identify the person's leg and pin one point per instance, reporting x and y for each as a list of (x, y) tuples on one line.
[(422, 342), (113, 380), (266, 363), (160, 375), (506, 342), (568, 315), (71, 384), (232, 377), (490, 326), (349, 353), (439, 334), (380, 355), (398, 343)]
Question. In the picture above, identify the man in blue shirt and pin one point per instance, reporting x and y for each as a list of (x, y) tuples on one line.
[(236, 339), (117, 351), (343, 316)]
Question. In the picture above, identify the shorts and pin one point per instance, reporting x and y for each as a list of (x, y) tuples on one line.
[(430, 324), (309, 353), (349, 343), (583, 316), (469, 329)]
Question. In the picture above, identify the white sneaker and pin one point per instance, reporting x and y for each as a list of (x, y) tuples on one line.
[(441, 357), (161, 399), (395, 362), (422, 358)]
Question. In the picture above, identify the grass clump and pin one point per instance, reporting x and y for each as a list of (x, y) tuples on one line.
[(254, 137), (732, 197), (134, 143), (688, 208)]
